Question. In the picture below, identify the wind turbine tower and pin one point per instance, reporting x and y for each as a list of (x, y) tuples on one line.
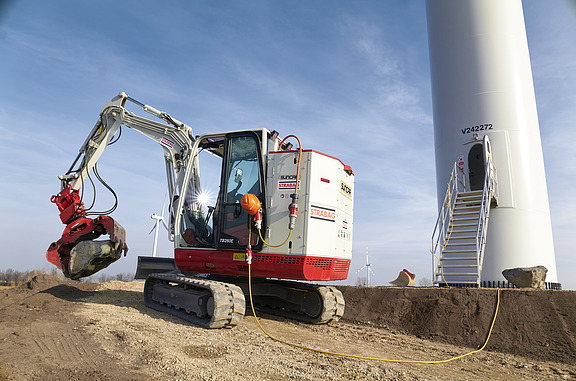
[(158, 218), (486, 129)]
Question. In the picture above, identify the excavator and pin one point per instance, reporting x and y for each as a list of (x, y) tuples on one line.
[(263, 220)]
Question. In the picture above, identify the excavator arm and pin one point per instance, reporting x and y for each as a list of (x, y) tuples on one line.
[(77, 253)]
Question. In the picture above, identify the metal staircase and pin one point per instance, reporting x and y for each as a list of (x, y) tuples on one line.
[(459, 237)]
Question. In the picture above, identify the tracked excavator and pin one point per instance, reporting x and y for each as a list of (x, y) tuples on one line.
[(261, 208)]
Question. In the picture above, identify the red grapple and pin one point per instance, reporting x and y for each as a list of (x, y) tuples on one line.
[(84, 229)]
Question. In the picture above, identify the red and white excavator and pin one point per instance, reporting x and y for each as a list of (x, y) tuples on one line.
[(285, 212)]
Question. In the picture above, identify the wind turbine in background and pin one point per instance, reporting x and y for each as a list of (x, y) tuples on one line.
[(368, 270), (158, 218)]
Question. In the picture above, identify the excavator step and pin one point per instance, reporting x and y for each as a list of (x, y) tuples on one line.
[(203, 302)]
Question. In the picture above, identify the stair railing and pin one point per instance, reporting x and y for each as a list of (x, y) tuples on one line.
[(489, 194), (441, 234)]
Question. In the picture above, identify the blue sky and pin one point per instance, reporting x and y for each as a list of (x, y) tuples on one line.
[(351, 79)]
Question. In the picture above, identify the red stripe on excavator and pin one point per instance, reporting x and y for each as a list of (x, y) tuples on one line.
[(296, 267)]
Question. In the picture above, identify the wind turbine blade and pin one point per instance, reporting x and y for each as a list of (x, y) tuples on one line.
[(371, 271), (154, 227), (166, 226), (363, 267)]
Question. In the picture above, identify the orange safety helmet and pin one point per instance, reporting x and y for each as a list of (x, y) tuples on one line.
[(250, 204)]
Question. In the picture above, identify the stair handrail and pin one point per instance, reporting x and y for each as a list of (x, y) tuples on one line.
[(489, 193), (441, 234)]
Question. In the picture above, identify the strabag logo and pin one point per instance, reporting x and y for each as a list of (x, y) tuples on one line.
[(345, 189), (287, 184), (324, 214), (167, 142)]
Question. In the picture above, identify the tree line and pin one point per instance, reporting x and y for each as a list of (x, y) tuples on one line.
[(11, 277)]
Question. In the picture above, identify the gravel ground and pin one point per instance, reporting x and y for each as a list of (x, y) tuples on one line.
[(54, 331)]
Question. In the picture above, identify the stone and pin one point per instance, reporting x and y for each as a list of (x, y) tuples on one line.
[(527, 277), (89, 257), (405, 279)]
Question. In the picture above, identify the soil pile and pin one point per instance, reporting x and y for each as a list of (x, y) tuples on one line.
[(534, 323)]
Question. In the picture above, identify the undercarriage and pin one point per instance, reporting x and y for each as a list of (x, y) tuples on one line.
[(220, 302)]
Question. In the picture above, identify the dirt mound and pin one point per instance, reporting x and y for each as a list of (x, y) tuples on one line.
[(40, 282), (530, 323)]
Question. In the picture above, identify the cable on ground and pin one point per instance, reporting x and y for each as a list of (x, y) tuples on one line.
[(365, 357)]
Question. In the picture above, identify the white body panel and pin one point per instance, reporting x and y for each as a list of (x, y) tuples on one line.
[(482, 84), (324, 224)]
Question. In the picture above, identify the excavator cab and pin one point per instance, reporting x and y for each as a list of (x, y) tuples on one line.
[(212, 216)]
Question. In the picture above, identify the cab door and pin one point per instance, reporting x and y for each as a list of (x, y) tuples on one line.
[(242, 173)]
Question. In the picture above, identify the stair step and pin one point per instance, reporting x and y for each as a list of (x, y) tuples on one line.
[(457, 274), (447, 254), (472, 201), (473, 224), (458, 282), (466, 205), (465, 218), (459, 248), (459, 259), (458, 267), (469, 200), (464, 212), (460, 237), (470, 193)]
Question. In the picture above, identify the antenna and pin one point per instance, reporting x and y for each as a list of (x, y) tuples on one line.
[(158, 218), (368, 269)]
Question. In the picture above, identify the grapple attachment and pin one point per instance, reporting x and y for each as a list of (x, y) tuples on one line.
[(78, 255)]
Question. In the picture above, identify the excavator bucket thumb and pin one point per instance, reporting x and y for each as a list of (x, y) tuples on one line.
[(78, 255)]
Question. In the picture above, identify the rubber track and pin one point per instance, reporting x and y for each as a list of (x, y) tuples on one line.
[(229, 302), (332, 304)]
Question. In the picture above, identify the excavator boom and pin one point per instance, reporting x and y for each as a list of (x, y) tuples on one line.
[(77, 253)]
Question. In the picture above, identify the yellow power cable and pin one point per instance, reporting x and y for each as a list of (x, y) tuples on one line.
[(364, 357), (287, 238)]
